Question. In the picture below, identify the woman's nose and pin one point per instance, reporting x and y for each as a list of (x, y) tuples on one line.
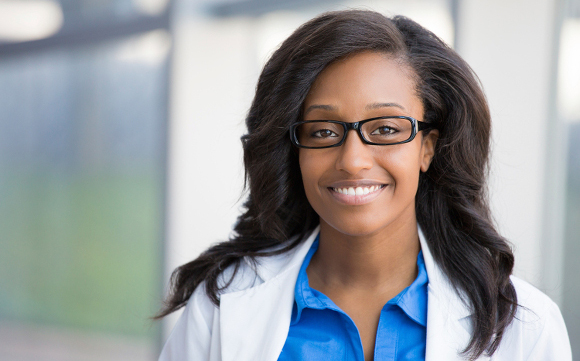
[(354, 155)]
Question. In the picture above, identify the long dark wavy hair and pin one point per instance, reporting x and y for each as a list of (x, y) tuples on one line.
[(451, 202)]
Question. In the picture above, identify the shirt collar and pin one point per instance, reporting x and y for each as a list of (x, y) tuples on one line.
[(412, 300), (304, 296)]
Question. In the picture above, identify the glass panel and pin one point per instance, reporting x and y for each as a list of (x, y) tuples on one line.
[(568, 105), (81, 190), (571, 286)]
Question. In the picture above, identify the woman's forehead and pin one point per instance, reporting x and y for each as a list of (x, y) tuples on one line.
[(366, 81)]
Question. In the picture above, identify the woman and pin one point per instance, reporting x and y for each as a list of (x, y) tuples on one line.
[(366, 234)]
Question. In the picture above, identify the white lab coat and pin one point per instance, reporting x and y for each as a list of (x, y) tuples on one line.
[(253, 319)]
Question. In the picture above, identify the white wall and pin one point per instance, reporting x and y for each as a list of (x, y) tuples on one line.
[(211, 86)]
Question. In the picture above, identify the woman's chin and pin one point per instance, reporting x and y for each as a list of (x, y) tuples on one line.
[(351, 228)]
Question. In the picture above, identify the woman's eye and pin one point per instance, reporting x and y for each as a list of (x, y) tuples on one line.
[(324, 133), (384, 131)]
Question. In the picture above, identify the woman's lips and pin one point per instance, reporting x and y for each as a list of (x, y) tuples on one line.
[(356, 195)]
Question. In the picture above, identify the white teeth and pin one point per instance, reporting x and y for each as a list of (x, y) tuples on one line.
[(358, 191)]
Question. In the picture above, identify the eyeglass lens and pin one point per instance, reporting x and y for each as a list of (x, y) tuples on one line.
[(379, 131)]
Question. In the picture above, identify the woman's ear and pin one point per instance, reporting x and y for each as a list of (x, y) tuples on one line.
[(428, 149)]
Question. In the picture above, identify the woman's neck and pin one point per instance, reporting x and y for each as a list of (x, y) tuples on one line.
[(385, 261)]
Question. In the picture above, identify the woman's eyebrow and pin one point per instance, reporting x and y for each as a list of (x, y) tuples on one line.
[(320, 106), (368, 107), (383, 105)]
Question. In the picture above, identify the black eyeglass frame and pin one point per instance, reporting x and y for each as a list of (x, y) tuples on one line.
[(417, 126)]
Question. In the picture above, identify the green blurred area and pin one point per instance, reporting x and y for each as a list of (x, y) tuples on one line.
[(81, 249)]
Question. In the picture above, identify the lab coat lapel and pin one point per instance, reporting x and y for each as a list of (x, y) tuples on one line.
[(447, 331), (255, 321), (448, 317)]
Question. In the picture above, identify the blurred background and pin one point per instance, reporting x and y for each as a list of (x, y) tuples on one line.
[(111, 174)]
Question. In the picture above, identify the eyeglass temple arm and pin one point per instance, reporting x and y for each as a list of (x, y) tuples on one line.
[(423, 125)]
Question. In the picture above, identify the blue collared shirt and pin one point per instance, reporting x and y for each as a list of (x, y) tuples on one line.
[(320, 330)]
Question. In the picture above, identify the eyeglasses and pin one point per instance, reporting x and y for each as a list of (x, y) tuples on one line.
[(376, 131)]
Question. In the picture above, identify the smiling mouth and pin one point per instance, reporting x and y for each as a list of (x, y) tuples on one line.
[(358, 191)]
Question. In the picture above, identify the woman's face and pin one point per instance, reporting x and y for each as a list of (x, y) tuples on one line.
[(359, 87)]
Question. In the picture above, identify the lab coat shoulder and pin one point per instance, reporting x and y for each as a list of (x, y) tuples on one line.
[(191, 337), (251, 294), (195, 336), (538, 331)]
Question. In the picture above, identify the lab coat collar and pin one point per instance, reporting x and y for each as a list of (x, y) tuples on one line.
[(254, 322), (273, 266), (439, 283), (449, 322)]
